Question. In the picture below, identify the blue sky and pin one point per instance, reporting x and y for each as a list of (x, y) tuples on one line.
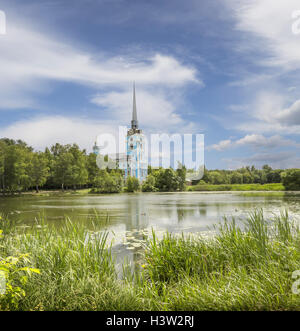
[(226, 68)]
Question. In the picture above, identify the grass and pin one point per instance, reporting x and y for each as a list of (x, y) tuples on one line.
[(268, 194), (247, 268), (48, 193), (237, 187), (198, 187)]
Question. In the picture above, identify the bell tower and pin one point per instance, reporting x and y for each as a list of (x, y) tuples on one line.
[(135, 143)]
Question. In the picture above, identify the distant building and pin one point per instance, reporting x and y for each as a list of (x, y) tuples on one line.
[(96, 149)]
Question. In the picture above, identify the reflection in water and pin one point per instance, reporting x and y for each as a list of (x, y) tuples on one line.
[(137, 213), (167, 211), (136, 234)]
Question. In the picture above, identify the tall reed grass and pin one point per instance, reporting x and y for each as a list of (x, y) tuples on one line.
[(239, 268)]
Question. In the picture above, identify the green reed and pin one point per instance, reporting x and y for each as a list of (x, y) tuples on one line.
[(246, 267)]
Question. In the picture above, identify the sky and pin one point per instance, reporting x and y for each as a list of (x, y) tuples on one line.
[(228, 69)]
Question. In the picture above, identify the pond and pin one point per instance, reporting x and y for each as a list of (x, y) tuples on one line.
[(131, 217)]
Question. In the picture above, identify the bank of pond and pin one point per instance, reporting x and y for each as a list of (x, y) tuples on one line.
[(195, 188)]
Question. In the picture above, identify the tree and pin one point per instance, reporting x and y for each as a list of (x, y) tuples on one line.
[(2, 164), (274, 176), (247, 178), (62, 165), (149, 184), (236, 178), (166, 180), (79, 173), (92, 168), (109, 182), (291, 179), (38, 170), (215, 177), (266, 170), (16, 163), (181, 174), (132, 184)]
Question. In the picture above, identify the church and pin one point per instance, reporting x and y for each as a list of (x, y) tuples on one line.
[(136, 148), (134, 162)]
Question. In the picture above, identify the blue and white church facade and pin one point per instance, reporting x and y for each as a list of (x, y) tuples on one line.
[(137, 165)]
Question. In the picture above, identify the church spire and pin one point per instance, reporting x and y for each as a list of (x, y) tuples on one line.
[(134, 122)]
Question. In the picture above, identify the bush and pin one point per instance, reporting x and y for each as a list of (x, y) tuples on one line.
[(149, 184), (109, 183), (167, 180), (133, 184), (14, 275)]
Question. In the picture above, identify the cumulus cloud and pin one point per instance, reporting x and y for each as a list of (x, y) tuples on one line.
[(221, 146), (44, 131), (291, 115), (267, 28), (260, 141), (280, 160), (271, 112), (255, 141), (155, 110), (29, 58), (270, 24)]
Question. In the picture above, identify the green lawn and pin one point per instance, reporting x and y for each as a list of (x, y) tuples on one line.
[(42, 192), (237, 187), (233, 270)]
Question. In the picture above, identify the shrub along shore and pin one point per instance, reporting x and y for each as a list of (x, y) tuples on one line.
[(249, 268)]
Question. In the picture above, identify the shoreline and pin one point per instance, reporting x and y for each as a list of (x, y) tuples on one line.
[(80, 193)]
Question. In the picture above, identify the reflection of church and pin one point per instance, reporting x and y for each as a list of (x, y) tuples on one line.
[(137, 213), (135, 234)]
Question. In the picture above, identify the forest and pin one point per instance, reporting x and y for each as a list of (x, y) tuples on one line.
[(67, 167)]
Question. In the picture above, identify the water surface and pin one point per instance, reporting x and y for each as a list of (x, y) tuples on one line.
[(131, 217)]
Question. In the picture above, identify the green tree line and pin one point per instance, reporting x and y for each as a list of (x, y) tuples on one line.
[(68, 167), (290, 178), (245, 175)]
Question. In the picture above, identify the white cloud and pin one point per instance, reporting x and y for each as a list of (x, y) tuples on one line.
[(155, 110), (290, 115), (270, 24), (260, 141), (29, 58), (45, 131), (255, 141), (271, 112), (267, 35), (281, 160), (221, 146)]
